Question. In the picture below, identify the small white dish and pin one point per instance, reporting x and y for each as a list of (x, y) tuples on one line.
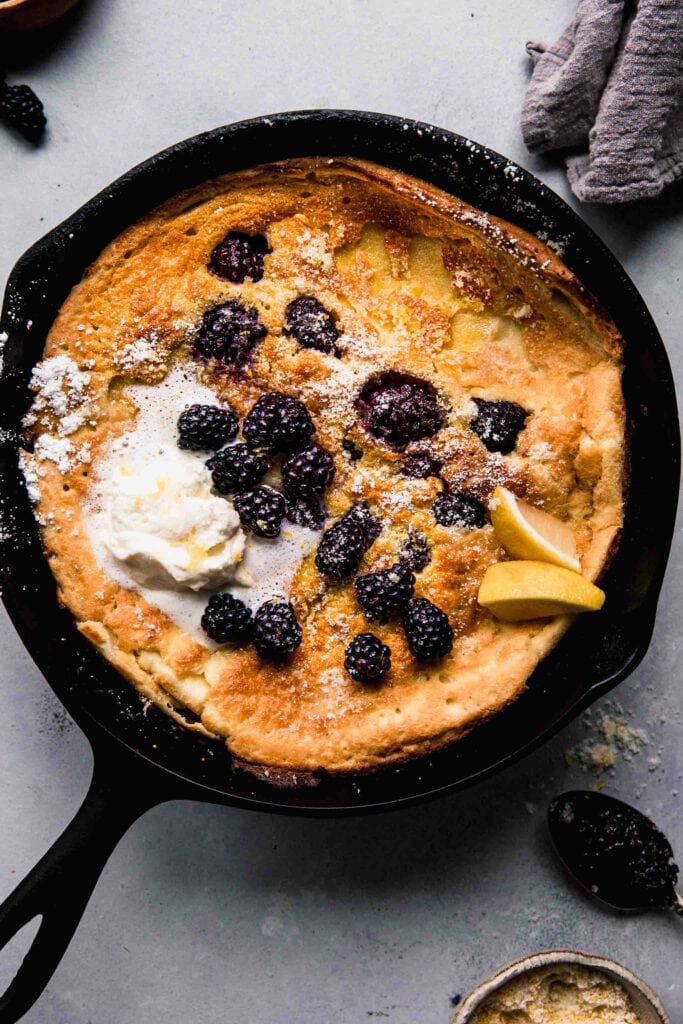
[(646, 1004)]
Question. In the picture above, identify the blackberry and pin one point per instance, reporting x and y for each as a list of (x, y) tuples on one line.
[(369, 524), (367, 659), (312, 325), (228, 333), (384, 594), (226, 619), (415, 552), (397, 408), (428, 631), (452, 508), (239, 256), (352, 451), (278, 422), (420, 466), (276, 630), (261, 510), (206, 427), (497, 424), (236, 468), (309, 512), (341, 549), (21, 109), (307, 472)]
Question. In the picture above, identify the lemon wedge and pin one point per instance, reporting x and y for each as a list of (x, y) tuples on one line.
[(528, 532), (514, 591)]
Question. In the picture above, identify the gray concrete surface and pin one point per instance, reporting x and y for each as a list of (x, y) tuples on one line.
[(210, 915)]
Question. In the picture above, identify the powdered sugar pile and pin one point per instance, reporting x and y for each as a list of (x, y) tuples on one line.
[(54, 449), (61, 391)]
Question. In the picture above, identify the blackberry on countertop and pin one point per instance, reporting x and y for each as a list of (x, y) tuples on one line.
[(309, 512), (497, 424), (261, 510), (278, 422), (206, 427), (384, 594), (415, 552), (341, 549), (276, 629), (452, 508), (312, 325), (367, 659), (236, 468), (228, 333), (21, 109), (238, 257), (226, 619), (307, 472), (428, 631)]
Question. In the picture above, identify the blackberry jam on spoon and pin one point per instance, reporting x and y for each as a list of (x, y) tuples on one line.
[(614, 851)]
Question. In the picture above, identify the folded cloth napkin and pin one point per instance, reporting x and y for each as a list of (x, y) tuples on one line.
[(612, 86)]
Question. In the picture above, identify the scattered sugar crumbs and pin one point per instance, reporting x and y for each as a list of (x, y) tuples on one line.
[(610, 738)]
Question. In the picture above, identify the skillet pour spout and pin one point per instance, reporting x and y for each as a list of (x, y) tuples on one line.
[(142, 760)]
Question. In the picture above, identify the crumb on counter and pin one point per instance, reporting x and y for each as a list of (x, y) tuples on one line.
[(610, 737)]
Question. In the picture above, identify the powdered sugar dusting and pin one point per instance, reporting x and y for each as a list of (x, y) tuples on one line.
[(540, 452), (465, 409), (143, 353), (314, 250), (335, 395), (359, 342), (31, 478)]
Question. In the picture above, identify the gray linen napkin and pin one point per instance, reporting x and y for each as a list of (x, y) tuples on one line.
[(612, 86)]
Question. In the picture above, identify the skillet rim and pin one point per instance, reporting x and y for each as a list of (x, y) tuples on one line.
[(190, 158)]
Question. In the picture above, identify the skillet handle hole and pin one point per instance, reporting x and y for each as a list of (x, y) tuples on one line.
[(12, 955)]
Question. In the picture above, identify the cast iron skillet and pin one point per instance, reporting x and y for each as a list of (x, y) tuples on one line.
[(142, 760)]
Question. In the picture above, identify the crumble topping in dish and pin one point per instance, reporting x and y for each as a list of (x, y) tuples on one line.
[(561, 994)]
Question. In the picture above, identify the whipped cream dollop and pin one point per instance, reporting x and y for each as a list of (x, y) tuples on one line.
[(167, 527), (156, 527)]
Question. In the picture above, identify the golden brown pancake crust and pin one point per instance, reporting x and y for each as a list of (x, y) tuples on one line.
[(419, 282)]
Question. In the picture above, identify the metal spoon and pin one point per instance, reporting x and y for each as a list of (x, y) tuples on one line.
[(615, 852)]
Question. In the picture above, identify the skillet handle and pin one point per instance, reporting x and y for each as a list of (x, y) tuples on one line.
[(60, 885)]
